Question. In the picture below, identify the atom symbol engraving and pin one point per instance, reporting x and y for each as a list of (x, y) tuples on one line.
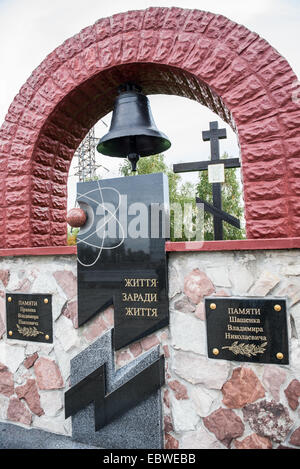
[(112, 215)]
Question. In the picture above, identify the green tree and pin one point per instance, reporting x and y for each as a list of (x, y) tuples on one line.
[(231, 203), (72, 236), (179, 193)]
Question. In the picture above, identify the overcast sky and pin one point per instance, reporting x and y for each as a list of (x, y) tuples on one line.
[(31, 29)]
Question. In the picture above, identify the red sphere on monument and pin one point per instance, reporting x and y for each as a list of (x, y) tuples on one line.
[(76, 217)]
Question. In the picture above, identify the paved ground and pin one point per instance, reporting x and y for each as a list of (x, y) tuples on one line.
[(15, 437)]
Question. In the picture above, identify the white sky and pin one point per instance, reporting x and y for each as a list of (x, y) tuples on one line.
[(31, 29)]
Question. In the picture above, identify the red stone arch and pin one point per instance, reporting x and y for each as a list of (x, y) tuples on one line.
[(200, 55)]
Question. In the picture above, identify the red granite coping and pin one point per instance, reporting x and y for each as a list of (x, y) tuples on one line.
[(39, 251), (234, 245), (188, 246)]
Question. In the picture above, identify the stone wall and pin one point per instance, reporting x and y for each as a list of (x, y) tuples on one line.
[(33, 376), (215, 403), (206, 403)]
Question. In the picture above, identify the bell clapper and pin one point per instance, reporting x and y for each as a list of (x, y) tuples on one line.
[(133, 158)]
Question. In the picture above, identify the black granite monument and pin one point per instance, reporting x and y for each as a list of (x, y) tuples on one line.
[(121, 254)]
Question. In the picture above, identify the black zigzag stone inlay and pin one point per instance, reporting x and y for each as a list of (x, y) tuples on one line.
[(116, 408)]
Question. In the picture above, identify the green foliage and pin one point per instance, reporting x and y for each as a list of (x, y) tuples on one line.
[(231, 203), (72, 236), (185, 193), (149, 165), (94, 178)]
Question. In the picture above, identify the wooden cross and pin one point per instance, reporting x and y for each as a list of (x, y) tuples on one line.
[(213, 135)]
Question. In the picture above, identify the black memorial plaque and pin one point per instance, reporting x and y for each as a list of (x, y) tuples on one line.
[(247, 329), (29, 317), (121, 254)]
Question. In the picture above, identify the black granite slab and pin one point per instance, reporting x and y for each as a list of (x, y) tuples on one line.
[(121, 254)]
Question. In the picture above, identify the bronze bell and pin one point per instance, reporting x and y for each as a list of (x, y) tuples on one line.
[(132, 132)]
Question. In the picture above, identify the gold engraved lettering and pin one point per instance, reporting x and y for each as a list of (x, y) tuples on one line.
[(254, 311), (140, 282), (28, 316), (244, 337), (144, 312), (27, 310), (244, 320), (245, 329), (27, 303), (139, 297), (28, 323)]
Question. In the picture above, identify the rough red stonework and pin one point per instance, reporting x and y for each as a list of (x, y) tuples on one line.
[(191, 53), (254, 441), (242, 388), (18, 412), (48, 374), (295, 437), (30, 393), (225, 424), (292, 393), (30, 361), (179, 389), (171, 442)]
